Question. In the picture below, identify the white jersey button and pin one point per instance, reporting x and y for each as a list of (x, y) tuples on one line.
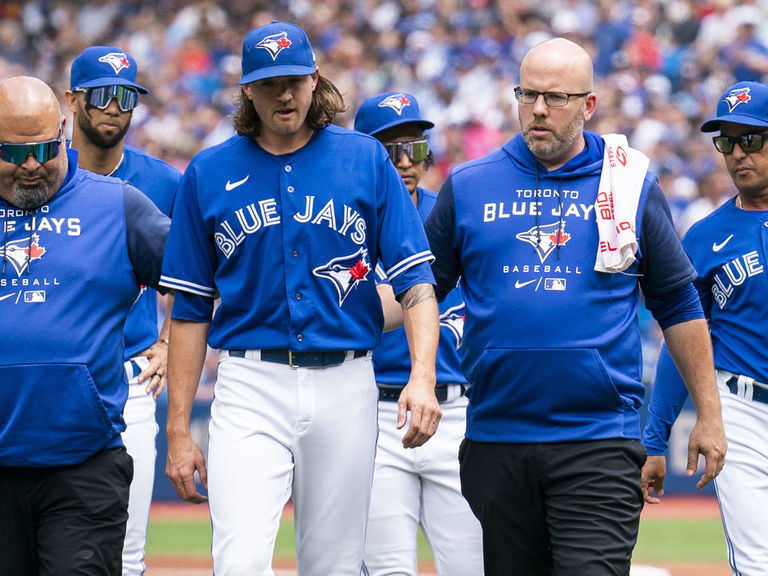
[(294, 252), (288, 168), (290, 188), (300, 337)]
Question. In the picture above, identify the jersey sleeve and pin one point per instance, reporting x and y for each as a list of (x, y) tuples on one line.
[(146, 233), (664, 265), (667, 398), (441, 232), (403, 247), (190, 260)]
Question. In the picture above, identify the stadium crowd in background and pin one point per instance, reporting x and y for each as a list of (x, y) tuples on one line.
[(659, 66)]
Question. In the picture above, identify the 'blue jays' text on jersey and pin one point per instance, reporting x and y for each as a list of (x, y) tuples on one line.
[(71, 270), (391, 359), (158, 181), (289, 242), (728, 249), (551, 347)]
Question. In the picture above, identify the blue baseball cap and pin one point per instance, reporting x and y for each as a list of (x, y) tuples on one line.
[(276, 49), (104, 66), (387, 110), (743, 103)]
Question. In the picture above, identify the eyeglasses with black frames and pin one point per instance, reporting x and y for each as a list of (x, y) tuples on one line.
[(416, 150), (551, 99), (101, 96), (748, 142), (42, 151)]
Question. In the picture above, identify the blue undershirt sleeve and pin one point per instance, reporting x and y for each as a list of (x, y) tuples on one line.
[(667, 398), (146, 231), (441, 233), (675, 307)]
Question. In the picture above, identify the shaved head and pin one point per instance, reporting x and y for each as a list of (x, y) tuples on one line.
[(554, 134), (561, 58), (30, 113)]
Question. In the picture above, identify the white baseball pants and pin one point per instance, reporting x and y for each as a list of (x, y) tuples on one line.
[(421, 486), (139, 440), (278, 432), (742, 486)]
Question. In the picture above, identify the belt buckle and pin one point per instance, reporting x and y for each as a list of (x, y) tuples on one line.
[(290, 360)]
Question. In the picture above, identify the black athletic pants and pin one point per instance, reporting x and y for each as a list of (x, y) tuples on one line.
[(66, 520), (565, 509)]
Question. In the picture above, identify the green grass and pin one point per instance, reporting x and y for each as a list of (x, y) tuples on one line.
[(659, 541)]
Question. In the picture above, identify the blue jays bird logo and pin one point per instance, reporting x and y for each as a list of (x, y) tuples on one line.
[(736, 97), (395, 101), (453, 320), (275, 44), (345, 272), (21, 252), (545, 238), (117, 60)]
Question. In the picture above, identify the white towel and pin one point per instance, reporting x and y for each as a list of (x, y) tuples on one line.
[(621, 183)]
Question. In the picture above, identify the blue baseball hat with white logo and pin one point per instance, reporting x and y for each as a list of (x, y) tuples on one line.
[(743, 103), (104, 66), (276, 49), (387, 110)]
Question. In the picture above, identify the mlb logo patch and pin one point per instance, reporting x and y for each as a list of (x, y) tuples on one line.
[(557, 284), (34, 296)]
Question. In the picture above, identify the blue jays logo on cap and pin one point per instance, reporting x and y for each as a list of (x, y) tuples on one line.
[(396, 101), (743, 103), (98, 66), (275, 44), (118, 61), (736, 97), (276, 49), (387, 110)]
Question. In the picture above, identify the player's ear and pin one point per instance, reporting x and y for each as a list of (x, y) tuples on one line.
[(315, 78), (71, 98)]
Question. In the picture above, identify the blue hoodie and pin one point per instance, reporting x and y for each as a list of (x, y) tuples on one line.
[(551, 347)]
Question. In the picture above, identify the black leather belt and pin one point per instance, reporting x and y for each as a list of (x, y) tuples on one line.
[(303, 359), (392, 393), (759, 391)]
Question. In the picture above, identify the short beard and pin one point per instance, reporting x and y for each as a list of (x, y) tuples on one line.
[(29, 198), (96, 137), (555, 148)]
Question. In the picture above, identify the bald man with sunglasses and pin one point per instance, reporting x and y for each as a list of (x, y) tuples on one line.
[(76, 249), (102, 97), (728, 250)]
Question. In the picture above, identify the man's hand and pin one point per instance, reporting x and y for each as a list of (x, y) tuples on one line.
[(418, 399), (156, 370), (708, 439), (184, 458), (653, 474)]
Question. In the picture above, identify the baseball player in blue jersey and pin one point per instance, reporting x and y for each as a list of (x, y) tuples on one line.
[(284, 224), (419, 486), (728, 250), (102, 96), (75, 249), (553, 236)]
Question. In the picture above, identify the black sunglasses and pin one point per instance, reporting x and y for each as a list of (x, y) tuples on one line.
[(748, 142), (101, 96), (416, 150), (42, 151)]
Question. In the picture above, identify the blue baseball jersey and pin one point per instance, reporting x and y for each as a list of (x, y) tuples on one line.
[(71, 271), (551, 347), (158, 181), (392, 360), (288, 242), (728, 250)]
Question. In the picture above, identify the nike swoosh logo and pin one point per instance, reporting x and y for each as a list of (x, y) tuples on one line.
[(519, 284), (232, 185), (717, 247), (7, 296)]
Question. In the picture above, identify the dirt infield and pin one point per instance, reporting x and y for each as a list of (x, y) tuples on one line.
[(670, 507)]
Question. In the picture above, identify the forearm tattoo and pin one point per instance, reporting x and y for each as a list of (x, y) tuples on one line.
[(416, 294)]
